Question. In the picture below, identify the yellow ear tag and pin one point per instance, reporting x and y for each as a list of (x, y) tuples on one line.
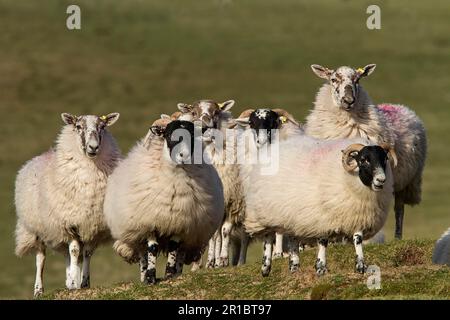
[(220, 106), (360, 70), (103, 118), (283, 119)]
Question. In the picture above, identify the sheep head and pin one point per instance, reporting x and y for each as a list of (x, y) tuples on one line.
[(344, 83)]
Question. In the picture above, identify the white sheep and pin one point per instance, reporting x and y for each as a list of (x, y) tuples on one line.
[(323, 190), (441, 253), (262, 121), (218, 118), (59, 197), (343, 109), (157, 201)]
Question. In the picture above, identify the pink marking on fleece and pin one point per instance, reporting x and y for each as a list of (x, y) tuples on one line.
[(393, 112)]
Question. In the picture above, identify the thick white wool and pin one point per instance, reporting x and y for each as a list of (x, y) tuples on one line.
[(59, 195)]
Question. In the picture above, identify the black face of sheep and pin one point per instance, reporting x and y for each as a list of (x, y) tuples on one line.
[(179, 136), (370, 161), (90, 130), (263, 121)]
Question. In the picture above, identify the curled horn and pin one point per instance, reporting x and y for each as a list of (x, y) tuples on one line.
[(246, 113), (284, 113), (391, 152), (346, 155)]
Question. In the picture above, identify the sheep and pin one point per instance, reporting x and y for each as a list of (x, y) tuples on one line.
[(264, 120), (59, 197), (157, 201), (323, 190), (218, 116), (441, 253), (343, 109)]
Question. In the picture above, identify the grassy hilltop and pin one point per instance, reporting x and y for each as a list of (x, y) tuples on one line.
[(141, 58), (406, 273)]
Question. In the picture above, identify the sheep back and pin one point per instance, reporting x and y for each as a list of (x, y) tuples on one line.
[(312, 196), (145, 195)]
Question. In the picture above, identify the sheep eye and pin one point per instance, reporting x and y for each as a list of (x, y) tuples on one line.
[(333, 80), (78, 127)]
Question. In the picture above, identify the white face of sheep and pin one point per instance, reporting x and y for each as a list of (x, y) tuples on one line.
[(179, 140), (344, 82), (369, 162), (207, 111), (89, 130)]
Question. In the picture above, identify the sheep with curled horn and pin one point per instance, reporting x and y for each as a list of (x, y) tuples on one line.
[(323, 190), (343, 109)]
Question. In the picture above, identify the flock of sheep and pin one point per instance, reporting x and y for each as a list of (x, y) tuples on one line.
[(336, 178)]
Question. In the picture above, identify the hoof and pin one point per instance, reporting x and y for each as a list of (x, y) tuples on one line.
[(86, 283), (360, 267), (293, 268), (321, 268), (38, 292), (277, 255), (265, 272), (72, 285), (150, 276), (223, 262)]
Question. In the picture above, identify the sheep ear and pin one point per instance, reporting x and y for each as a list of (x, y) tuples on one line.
[(68, 118), (184, 107), (111, 118), (165, 116), (157, 130), (227, 105), (242, 122), (321, 72), (367, 70)]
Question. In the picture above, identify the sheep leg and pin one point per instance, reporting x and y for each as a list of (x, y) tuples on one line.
[(399, 208), (40, 262), (180, 261), (152, 252), (243, 250), (357, 241), (321, 262), (267, 257), (74, 280), (278, 251), (86, 278), (143, 265), (67, 270), (211, 251), (294, 258), (171, 266), (196, 265), (217, 249), (226, 231)]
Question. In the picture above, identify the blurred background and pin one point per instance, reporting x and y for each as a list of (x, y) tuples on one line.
[(141, 58)]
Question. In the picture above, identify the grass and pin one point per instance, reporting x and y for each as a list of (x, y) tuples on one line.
[(406, 273), (141, 58)]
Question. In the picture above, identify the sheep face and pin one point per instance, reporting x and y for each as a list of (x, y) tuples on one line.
[(344, 83), (369, 162), (179, 141), (89, 130), (262, 121), (207, 111)]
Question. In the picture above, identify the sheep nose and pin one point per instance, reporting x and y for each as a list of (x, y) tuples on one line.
[(93, 148), (380, 180), (181, 154), (349, 100)]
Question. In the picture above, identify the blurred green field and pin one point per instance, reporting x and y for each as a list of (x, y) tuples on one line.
[(141, 58)]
